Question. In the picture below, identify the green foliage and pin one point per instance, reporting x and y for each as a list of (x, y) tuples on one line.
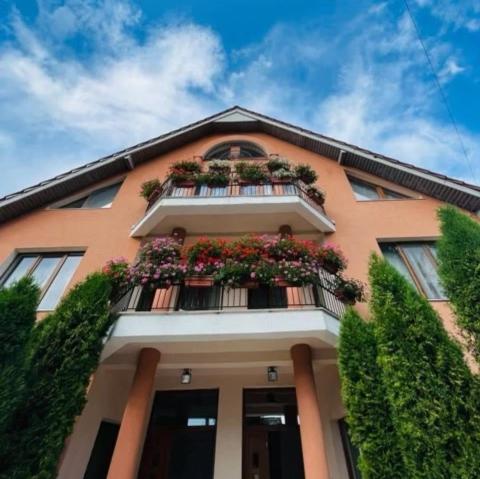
[(459, 269), (212, 179), (364, 395), (150, 188), (306, 173), (18, 304), (250, 172), (275, 164), (65, 352), (430, 389)]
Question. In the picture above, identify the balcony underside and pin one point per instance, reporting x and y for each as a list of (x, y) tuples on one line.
[(201, 215), (221, 332)]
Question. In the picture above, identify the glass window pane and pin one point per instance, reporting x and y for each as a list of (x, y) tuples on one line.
[(56, 289), (391, 255), (102, 198), (44, 270), (425, 269), (75, 204), (364, 191), (393, 195), (20, 270)]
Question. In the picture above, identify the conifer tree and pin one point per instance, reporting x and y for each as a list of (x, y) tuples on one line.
[(368, 411), (65, 351), (459, 269), (430, 389), (18, 304)]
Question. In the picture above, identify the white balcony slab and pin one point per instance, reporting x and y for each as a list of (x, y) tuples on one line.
[(223, 331), (235, 214)]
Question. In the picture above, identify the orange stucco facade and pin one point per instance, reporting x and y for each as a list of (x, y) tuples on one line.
[(125, 383), (104, 233)]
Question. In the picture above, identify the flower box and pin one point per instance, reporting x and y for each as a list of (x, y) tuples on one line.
[(330, 267), (199, 281), (281, 181), (345, 297), (281, 282), (185, 184), (250, 285)]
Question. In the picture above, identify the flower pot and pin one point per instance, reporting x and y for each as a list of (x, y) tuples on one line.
[(330, 267), (281, 282), (185, 184), (319, 200), (344, 297), (199, 281), (281, 181), (250, 284)]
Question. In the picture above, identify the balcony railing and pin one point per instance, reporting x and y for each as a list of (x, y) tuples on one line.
[(179, 298), (237, 188)]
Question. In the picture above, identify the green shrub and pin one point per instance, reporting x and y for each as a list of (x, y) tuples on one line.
[(150, 188), (306, 173), (275, 164), (250, 172), (430, 389), (368, 411), (459, 269), (65, 353), (18, 304)]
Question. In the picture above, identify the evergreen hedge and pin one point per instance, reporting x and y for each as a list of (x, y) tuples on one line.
[(459, 269), (18, 304), (365, 398), (65, 352), (430, 389)]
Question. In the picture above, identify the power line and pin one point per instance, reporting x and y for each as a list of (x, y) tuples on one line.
[(440, 89)]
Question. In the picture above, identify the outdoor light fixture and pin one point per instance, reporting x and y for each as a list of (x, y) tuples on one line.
[(272, 374), (186, 377)]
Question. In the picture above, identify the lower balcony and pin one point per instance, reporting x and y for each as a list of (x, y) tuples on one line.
[(235, 208)]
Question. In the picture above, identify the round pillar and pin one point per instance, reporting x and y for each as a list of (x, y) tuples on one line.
[(128, 448), (311, 430)]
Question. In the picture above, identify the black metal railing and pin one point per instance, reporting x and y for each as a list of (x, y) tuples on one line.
[(236, 188), (217, 298)]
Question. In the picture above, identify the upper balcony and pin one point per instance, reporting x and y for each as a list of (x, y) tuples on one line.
[(238, 207)]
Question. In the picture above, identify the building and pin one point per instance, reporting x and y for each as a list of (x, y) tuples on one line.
[(210, 382)]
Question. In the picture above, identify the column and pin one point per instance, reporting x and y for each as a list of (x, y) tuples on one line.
[(311, 431), (128, 448)]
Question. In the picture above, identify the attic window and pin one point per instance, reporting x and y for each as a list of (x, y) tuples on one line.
[(365, 191), (233, 150), (101, 198)]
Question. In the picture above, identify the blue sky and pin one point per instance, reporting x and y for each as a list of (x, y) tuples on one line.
[(82, 79)]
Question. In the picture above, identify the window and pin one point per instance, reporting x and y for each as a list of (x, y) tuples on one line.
[(417, 263), (351, 452), (236, 149), (364, 191), (101, 198), (51, 272)]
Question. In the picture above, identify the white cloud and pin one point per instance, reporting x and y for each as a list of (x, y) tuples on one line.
[(59, 110)]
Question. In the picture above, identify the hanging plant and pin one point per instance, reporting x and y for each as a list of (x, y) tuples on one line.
[(151, 189), (250, 173), (282, 176), (205, 259), (306, 174), (275, 164), (219, 166), (349, 291), (316, 194), (183, 173), (159, 264), (212, 180), (118, 271), (331, 258), (296, 273)]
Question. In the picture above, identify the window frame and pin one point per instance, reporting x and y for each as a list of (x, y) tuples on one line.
[(84, 195), (382, 191), (233, 145), (397, 245), (63, 256)]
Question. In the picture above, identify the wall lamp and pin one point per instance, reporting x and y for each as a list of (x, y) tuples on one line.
[(186, 377), (272, 374)]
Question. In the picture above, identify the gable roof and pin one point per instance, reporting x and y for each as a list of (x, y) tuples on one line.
[(241, 120)]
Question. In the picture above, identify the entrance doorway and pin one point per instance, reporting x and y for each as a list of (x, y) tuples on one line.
[(180, 441), (271, 436)]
